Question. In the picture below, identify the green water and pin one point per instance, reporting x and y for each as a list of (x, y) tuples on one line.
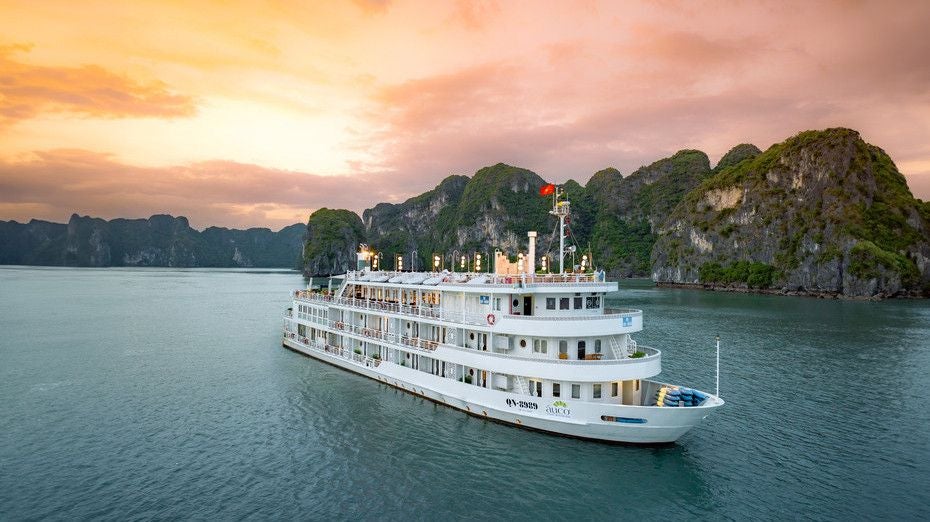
[(157, 393)]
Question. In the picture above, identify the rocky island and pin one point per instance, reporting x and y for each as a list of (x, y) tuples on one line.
[(822, 213), (160, 240)]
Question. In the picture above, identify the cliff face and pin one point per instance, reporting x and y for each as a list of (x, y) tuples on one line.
[(615, 216), (821, 212), (630, 210), (493, 209), (333, 237), (158, 241), (418, 224)]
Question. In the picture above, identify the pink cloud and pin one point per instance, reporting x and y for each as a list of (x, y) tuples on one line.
[(55, 184), (662, 81)]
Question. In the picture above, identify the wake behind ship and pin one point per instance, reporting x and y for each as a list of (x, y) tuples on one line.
[(528, 348)]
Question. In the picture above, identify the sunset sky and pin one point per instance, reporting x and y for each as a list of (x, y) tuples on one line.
[(256, 113)]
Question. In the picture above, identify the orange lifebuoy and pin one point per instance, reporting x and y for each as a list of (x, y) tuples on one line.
[(491, 319)]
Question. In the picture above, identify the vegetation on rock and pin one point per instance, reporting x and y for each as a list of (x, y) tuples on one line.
[(160, 240), (823, 211)]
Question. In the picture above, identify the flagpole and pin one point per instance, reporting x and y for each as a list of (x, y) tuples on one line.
[(718, 367)]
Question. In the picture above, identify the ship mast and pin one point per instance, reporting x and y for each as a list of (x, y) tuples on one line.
[(560, 209)]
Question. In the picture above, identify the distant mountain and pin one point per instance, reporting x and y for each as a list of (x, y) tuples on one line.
[(160, 240), (821, 213)]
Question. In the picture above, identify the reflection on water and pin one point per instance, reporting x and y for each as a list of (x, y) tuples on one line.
[(165, 393)]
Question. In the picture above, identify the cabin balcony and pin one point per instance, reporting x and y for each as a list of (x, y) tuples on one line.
[(409, 310), (584, 370)]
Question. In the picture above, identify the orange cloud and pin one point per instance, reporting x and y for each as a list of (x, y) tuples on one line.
[(88, 90), (54, 184)]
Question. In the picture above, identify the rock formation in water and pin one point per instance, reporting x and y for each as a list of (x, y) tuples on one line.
[(333, 237), (160, 240), (822, 212)]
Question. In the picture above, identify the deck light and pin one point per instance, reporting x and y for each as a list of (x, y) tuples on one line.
[(436, 262)]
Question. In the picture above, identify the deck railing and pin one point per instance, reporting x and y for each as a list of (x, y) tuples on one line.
[(333, 350), (429, 312), (463, 278), (427, 345), (435, 312)]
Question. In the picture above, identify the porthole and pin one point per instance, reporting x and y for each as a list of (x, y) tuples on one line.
[(516, 302), (522, 343), (471, 336)]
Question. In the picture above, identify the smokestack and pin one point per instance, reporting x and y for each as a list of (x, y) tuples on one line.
[(531, 262)]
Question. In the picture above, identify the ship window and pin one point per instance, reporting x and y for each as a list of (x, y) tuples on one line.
[(576, 391), (577, 303), (597, 346), (550, 303), (637, 384), (597, 301), (563, 347), (471, 336), (516, 302), (613, 389), (497, 304), (540, 345), (522, 343), (597, 391), (539, 388), (563, 303), (556, 389)]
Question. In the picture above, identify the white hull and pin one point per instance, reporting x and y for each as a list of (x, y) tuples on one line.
[(647, 424)]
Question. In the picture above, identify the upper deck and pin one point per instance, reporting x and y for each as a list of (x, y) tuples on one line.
[(476, 282)]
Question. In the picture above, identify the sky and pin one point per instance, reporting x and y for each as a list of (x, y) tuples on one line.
[(244, 114)]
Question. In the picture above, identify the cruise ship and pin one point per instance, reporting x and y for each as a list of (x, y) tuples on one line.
[(513, 344)]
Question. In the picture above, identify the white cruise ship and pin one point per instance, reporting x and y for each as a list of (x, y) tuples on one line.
[(535, 350)]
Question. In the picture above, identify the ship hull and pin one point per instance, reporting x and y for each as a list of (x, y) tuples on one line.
[(602, 422)]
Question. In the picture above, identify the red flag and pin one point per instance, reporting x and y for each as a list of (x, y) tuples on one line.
[(547, 190)]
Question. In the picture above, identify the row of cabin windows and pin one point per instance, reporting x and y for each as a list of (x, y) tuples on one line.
[(542, 345), (569, 303), (576, 390)]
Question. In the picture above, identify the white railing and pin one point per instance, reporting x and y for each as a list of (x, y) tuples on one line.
[(428, 312), (427, 345), (435, 312), (333, 350), (463, 278)]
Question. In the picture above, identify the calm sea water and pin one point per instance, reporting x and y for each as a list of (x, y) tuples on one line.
[(138, 394)]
